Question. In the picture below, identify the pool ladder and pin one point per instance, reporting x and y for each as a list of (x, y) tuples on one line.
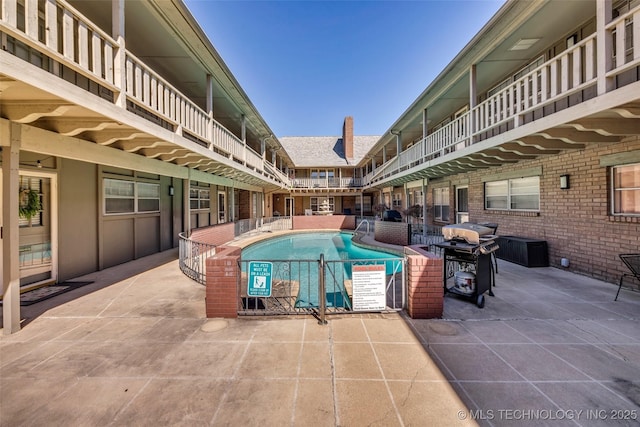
[(364, 221)]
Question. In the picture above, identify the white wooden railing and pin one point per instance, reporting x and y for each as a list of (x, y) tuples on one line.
[(569, 72), (66, 36), (326, 182), (149, 90)]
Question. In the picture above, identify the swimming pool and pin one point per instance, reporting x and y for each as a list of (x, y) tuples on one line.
[(295, 258)]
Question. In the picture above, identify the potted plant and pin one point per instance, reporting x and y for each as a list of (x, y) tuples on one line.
[(29, 204), (414, 211), (379, 209)]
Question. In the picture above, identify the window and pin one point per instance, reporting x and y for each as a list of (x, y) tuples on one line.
[(325, 204), (148, 197), (119, 196), (521, 194), (441, 204), (30, 184), (199, 198), (397, 200), (127, 197), (322, 173), (626, 189), (415, 197)]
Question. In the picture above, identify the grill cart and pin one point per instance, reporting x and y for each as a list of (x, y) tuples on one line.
[(467, 252)]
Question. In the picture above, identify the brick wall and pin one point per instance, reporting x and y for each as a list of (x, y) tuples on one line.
[(395, 233), (221, 298), (575, 222), (244, 204), (324, 222), (425, 286), (347, 137), (214, 235)]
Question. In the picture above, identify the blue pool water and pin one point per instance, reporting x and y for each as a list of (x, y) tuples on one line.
[(301, 252)]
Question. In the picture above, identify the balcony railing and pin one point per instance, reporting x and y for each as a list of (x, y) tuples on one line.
[(63, 34), (568, 73), (155, 94), (326, 182)]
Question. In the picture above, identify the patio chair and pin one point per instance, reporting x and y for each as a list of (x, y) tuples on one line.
[(632, 261)]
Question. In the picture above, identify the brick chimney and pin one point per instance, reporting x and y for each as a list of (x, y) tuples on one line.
[(347, 137)]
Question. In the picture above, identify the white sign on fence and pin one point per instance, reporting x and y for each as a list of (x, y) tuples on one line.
[(259, 284), (368, 283)]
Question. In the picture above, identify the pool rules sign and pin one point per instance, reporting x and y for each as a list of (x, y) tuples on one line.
[(259, 279), (368, 287)]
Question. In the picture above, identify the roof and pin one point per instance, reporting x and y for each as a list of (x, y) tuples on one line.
[(308, 151)]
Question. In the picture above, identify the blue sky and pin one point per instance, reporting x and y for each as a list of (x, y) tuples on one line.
[(306, 65)]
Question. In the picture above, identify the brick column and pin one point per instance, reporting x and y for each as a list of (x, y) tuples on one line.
[(426, 294), (221, 299)]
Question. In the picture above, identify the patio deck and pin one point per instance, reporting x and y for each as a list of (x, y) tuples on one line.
[(134, 348)]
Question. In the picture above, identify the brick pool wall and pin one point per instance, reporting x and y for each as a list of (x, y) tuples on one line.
[(324, 222), (221, 297), (425, 286)]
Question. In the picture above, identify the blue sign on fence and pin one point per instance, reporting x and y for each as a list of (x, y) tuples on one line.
[(259, 284)]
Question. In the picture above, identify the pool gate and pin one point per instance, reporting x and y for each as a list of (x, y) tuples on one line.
[(321, 287)]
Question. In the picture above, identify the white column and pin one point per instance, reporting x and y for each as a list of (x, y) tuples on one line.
[(604, 13), (186, 203), (119, 66), (424, 123), (243, 129), (473, 97), (10, 141), (232, 205), (398, 142), (384, 154), (406, 196), (243, 137), (210, 107), (424, 206)]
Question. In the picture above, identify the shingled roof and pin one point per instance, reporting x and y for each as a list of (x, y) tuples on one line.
[(310, 151)]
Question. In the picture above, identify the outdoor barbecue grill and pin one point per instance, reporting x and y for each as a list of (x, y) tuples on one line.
[(467, 258)]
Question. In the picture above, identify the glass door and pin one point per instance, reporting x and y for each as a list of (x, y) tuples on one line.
[(222, 217), (37, 222), (462, 205), (288, 206)]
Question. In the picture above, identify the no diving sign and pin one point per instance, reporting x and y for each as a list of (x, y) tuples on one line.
[(259, 279)]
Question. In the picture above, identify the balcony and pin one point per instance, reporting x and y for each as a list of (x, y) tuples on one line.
[(575, 98), (64, 45), (325, 184)]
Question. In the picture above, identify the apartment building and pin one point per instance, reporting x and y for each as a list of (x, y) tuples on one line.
[(121, 126), (533, 126)]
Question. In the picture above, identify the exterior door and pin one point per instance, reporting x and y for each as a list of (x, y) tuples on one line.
[(222, 217), (38, 228), (462, 204), (288, 206)]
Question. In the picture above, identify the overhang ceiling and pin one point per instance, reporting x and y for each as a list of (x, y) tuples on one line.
[(165, 36), (490, 51)]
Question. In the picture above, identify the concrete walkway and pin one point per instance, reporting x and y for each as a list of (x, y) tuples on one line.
[(134, 348)]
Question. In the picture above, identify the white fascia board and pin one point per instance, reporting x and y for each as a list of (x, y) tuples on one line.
[(53, 144)]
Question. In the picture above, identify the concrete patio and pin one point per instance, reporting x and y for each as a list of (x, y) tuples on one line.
[(134, 348)]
